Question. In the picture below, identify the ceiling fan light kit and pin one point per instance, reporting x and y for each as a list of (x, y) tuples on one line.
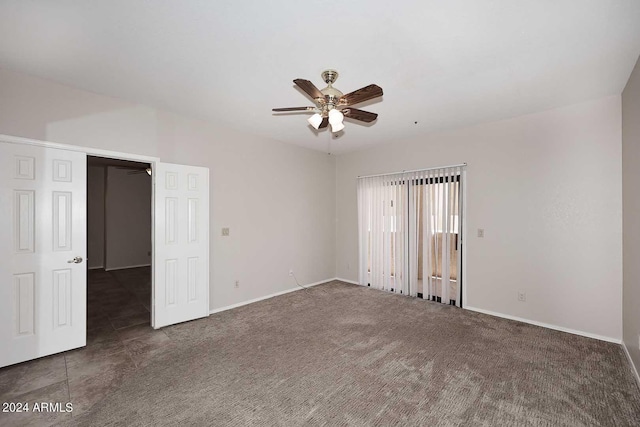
[(331, 105), (315, 120), (337, 127), (335, 116), (335, 120)]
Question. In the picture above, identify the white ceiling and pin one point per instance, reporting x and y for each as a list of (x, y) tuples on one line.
[(444, 64)]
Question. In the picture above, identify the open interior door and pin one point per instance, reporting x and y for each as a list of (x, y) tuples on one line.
[(43, 279), (181, 244)]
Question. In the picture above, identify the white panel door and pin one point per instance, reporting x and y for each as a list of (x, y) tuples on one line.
[(181, 244), (42, 231)]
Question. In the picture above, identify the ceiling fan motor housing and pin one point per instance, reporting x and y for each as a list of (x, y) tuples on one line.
[(331, 95)]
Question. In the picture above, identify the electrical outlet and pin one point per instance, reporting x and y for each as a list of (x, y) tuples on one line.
[(237, 285), (480, 232), (522, 296), (225, 231), (291, 272)]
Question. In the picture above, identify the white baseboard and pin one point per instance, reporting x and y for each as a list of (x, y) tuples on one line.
[(251, 301), (633, 366), (346, 280), (534, 322), (479, 310), (546, 325), (127, 266)]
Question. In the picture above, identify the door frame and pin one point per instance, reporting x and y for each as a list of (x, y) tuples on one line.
[(98, 152)]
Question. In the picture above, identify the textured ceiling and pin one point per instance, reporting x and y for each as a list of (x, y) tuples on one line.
[(443, 64)]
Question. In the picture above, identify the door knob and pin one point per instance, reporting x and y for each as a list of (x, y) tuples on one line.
[(76, 260)]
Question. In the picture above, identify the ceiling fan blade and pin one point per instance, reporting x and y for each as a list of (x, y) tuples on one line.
[(363, 94), (293, 109), (364, 116), (324, 123), (309, 88)]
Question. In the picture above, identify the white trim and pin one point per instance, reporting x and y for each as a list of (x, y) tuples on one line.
[(633, 366), (346, 280), (127, 266), (251, 301), (463, 270), (88, 150), (546, 325)]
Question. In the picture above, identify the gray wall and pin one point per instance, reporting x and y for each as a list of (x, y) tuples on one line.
[(118, 218), (631, 214), (95, 216), (128, 219)]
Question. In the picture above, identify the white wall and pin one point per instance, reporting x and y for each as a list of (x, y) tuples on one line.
[(127, 219), (546, 189), (277, 199), (631, 214), (95, 216), (36, 108)]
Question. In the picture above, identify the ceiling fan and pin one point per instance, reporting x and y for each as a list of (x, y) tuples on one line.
[(332, 106)]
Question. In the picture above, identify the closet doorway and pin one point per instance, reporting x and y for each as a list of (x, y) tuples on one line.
[(119, 244)]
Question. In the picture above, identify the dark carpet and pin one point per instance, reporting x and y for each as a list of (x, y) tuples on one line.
[(343, 355)]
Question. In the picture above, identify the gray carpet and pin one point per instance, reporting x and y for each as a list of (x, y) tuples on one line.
[(341, 354)]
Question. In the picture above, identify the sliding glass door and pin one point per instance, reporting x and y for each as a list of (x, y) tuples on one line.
[(434, 252), (410, 229)]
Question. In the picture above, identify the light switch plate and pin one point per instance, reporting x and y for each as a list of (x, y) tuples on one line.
[(225, 231)]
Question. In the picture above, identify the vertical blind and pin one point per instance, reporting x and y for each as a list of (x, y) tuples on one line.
[(410, 228), (382, 207)]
